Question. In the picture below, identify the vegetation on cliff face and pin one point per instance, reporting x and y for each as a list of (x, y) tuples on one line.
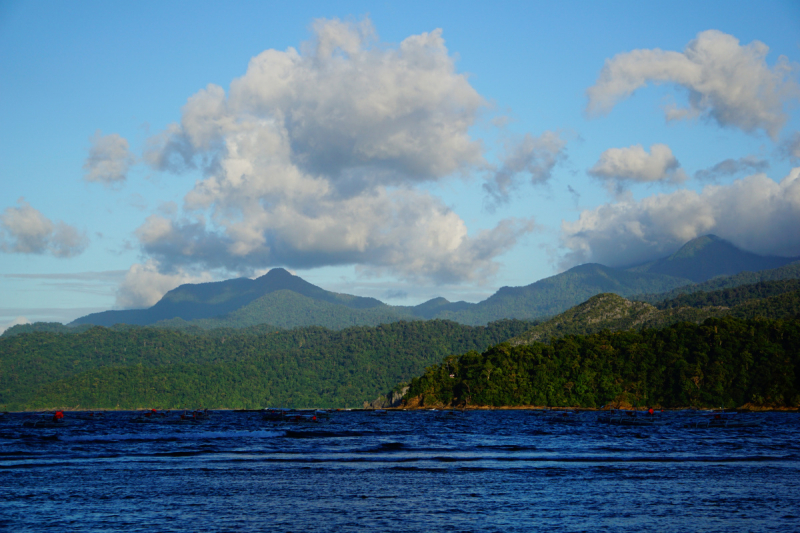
[(136, 367), (723, 362), (772, 299), (612, 312)]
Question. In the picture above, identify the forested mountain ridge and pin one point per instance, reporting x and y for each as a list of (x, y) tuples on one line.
[(725, 362), (206, 300), (287, 309), (134, 367), (555, 294), (745, 349), (772, 299), (281, 299), (787, 272), (612, 312)]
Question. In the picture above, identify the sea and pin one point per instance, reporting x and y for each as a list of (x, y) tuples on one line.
[(400, 471)]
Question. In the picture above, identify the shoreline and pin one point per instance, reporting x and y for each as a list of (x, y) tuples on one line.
[(742, 409)]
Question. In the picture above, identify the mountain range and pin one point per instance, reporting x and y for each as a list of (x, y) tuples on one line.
[(281, 299), (128, 367)]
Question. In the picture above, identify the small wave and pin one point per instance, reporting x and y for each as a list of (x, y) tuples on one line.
[(311, 434), (508, 448), (387, 447), (204, 435)]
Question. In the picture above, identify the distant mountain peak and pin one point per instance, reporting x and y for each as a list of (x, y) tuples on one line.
[(698, 244), (277, 273), (710, 256)]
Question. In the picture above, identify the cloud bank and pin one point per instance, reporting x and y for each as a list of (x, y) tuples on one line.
[(315, 156), (754, 213), (144, 285), (25, 230), (728, 83)]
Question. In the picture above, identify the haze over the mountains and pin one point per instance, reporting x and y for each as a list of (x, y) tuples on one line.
[(281, 299)]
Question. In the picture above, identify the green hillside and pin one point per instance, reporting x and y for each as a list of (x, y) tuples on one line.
[(786, 272), (773, 299), (615, 313), (723, 362), (732, 296), (155, 367)]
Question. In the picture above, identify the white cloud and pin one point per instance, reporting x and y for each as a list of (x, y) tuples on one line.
[(732, 167), (144, 285), (635, 164), (15, 322), (25, 230), (109, 159), (313, 158), (533, 157), (755, 213), (727, 82)]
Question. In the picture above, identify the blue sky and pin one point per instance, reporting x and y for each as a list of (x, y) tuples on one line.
[(398, 150)]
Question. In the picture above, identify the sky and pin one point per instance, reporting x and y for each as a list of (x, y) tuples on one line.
[(398, 150)]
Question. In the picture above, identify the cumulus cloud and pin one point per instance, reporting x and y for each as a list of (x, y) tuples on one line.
[(532, 157), (25, 230), (144, 285), (727, 82), (314, 156), (732, 167), (755, 213), (634, 164), (109, 159)]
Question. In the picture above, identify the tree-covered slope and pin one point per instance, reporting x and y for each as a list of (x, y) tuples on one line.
[(786, 272), (723, 362), (730, 297), (612, 312), (306, 367), (777, 299)]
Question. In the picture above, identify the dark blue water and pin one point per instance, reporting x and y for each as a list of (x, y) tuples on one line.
[(405, 471)]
